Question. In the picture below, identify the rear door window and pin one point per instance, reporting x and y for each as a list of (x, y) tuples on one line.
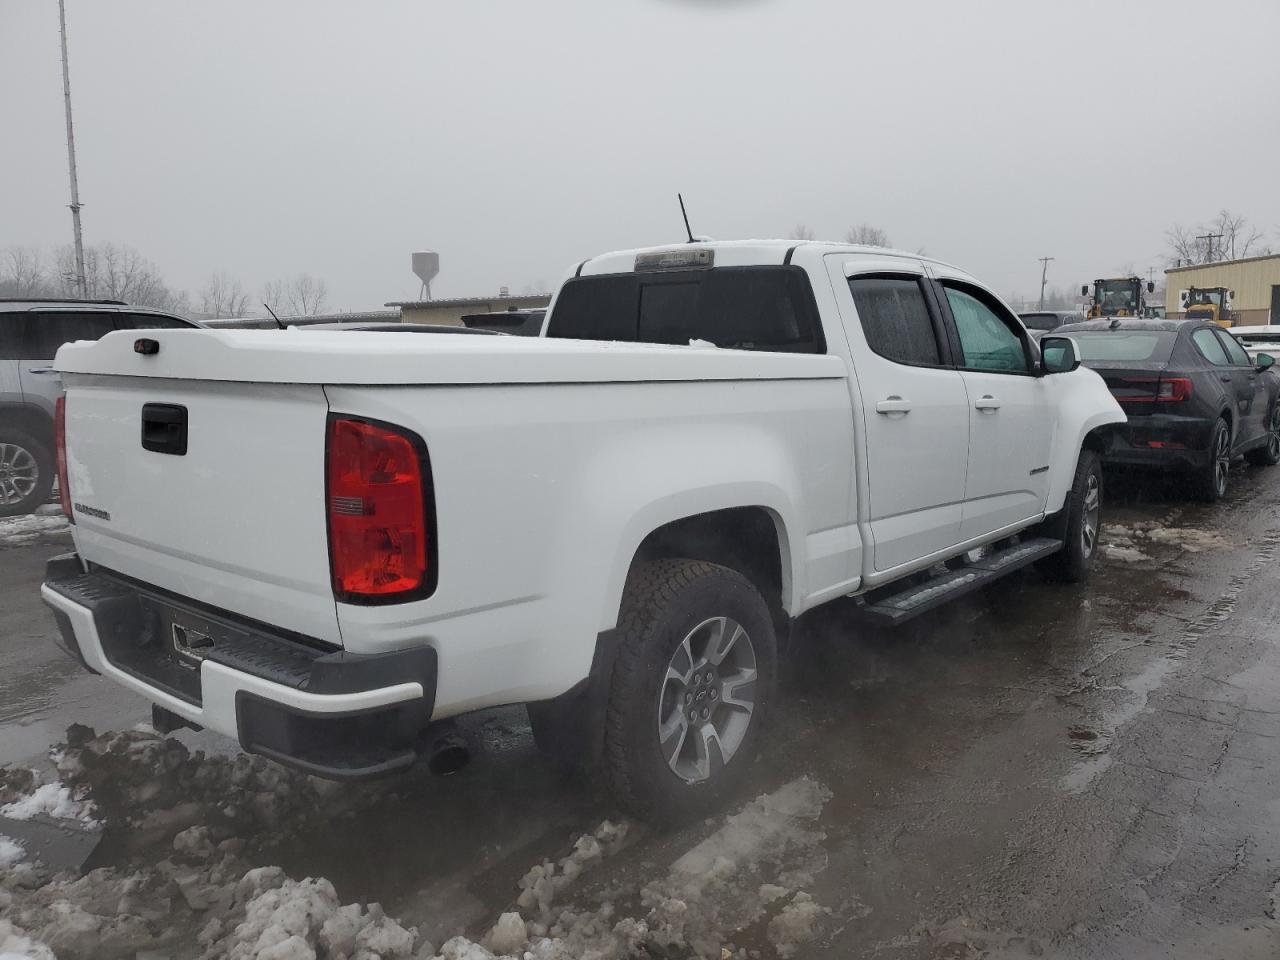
[(1210, 347), (46, 330), (895, 319), (988, 338), (1234, 351)]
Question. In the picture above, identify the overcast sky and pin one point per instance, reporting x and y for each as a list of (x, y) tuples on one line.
[(269, 138)]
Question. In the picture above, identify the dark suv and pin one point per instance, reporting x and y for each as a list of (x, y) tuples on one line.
[(31, 331)]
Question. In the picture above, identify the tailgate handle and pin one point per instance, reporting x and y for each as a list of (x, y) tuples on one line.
[(164, 428)]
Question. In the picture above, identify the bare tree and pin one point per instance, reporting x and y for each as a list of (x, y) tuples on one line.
[(1229, 237), (223, 296), (300, 296), (801, 232), (118, 272), (23, 273), (867, 235)]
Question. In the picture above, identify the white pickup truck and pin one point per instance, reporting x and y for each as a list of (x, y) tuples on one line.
[(327, 544)]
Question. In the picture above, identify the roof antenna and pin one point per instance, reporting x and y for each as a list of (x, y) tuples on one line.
[(686, 219), (274, 317)]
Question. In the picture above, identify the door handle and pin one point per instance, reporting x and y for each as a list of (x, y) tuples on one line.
[(987, 402), (42, 370), (1224, 377), (894, 404)]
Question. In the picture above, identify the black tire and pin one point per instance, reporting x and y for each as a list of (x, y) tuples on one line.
[(666, 606), (1082, 524), (1268, 455), (20, 492), (1209, 483)]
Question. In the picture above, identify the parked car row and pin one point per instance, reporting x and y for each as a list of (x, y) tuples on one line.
[(31, 331), (1196, 399)]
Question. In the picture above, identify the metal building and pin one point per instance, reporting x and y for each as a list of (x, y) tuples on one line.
[(1254, 280)]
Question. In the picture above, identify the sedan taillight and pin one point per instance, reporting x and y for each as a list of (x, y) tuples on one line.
[(378, 495), (60, 442)]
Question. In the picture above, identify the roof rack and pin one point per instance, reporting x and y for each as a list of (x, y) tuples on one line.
[(114, 303)]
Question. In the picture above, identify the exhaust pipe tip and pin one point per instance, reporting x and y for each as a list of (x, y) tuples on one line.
[(447, 750)]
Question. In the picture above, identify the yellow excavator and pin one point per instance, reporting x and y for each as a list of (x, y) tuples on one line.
[(1210, 303), (1118, 297)]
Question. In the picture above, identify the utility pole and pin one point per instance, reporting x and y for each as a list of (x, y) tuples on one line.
[(1044, 275), (1210, 237), (81, 285)]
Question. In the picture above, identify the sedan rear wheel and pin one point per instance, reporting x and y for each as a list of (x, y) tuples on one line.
[(1268, 455), (1211, 481)]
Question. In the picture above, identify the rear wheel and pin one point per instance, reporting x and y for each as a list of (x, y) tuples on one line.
[(1211, 479), (26, 473), (693, 679), (1083, 523), (1268, 455)]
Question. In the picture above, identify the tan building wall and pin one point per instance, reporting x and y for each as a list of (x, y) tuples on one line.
[(451, 312), (1252, 279)]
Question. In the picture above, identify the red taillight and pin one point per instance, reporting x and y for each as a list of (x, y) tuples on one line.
[(1167, 389), (379, 549), (60, 441)]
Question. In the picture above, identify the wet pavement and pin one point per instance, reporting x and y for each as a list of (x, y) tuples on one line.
[(1037, 770)]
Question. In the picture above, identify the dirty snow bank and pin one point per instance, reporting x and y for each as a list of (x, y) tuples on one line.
[(16, 945), (719, 887), (1123, 542), (11, 852), (178, 818), (16, 531), (51, 800)]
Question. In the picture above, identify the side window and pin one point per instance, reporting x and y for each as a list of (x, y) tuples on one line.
[(10, 336), (46, 331), (149, 321), (988, 342), (1210, 347), (1234, 350), (895, 319)]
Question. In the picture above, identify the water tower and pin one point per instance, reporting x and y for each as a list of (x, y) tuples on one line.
[(426, 264)]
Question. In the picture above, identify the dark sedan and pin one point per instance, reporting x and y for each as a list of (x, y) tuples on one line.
[(1194, 398)]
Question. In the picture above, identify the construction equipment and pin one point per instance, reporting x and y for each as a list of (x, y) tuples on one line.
[(1118, 297), (1209, 303)]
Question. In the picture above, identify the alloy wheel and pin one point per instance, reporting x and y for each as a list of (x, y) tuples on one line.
[(1273, 434), (1092, 512), (707, 699), (19, 473), (1221, 461)]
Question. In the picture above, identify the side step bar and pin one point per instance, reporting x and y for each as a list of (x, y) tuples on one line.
[(922, 597)]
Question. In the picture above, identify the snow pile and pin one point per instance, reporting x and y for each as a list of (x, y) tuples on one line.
[(51, 800), (300, 920), (1188, 538), (538, 887), (16, 945), (1124, 554), (16, 531), (11, 852), (714, 890)]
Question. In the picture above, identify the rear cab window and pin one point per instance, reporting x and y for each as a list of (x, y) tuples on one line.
[(766, 308)]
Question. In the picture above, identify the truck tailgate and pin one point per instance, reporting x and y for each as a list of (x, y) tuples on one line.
[(236, 520)]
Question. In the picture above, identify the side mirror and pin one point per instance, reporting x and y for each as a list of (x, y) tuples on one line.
[(1058, 354), (1264, 361), (1231, 294), (1151, 287), (1084, 290)]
